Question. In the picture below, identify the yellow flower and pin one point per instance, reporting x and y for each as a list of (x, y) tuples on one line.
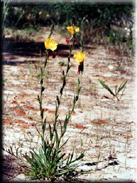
[(23, 11), (73, 29), (38, 135), (50, 44), (47, 15), (40, 13), (79, 56)]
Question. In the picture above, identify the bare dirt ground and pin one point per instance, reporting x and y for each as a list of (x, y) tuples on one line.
[(101, 126)]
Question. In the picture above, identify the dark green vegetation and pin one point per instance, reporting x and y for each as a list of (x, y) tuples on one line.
[(97, 15), (102, 23)]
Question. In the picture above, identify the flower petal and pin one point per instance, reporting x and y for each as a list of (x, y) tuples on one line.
[(79, 56), (50, 44), (73, 29)]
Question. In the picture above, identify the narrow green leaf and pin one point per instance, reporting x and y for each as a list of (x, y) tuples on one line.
[(44, 126), (122, 86), (71, 157), (17, 150), (63, 73), (64, 143), (106, 87), (76, 98), (79, 157), (41, 81), (58, 100), (51, 133), (78, 81), (64, 171)]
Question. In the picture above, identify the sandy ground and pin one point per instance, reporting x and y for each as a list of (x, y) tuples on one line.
[(101, 126)]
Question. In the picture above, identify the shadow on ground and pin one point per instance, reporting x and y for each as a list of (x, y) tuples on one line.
[(9, 168), (12, 48)]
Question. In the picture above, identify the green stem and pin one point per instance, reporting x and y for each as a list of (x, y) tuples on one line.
[(46, 59), (40, 97), (64, 79), (52, 29)]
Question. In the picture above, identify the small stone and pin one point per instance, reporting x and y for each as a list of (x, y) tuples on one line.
[(110, 67), (19, 177)]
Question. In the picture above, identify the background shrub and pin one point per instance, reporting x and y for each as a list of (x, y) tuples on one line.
[(102, 23)]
